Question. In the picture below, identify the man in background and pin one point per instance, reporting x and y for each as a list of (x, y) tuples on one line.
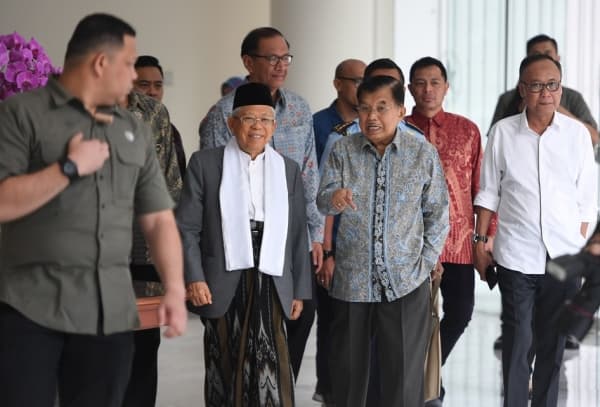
[(141, 390), (458, 143), (348, 75), (150, 82), (572, 103)]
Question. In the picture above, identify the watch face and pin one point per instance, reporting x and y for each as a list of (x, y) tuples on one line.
[(70, 169)]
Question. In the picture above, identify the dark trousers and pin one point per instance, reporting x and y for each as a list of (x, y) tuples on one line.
[(401, 328), (89, 370), (141, 389), (458, 291), (526, 297), (143, 382), (324, 316), (299, 330)]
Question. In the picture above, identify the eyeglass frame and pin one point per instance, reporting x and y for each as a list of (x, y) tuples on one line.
[(380, 110), (357, 81), (543, 86), (264, 121), (273, 60)]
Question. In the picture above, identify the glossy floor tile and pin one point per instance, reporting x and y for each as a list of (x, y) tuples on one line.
[(472, 375)]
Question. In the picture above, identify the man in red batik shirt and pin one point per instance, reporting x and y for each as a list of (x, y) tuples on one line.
[(458, 143)]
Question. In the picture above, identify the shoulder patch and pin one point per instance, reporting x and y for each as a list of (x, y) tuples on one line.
[(412, 126), (342, 128)]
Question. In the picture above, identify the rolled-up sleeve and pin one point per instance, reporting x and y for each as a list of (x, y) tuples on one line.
[(488, 196)]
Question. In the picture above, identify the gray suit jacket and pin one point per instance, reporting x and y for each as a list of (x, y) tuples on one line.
[(199, 219)]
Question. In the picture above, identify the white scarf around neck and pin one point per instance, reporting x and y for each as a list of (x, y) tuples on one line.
[(234, 198)]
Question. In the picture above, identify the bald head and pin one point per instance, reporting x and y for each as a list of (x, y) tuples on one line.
[(348, 75), (350, 66)]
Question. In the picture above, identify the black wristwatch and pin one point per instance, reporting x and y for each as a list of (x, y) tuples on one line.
[(328, 253), (68, 168), (479, 238)]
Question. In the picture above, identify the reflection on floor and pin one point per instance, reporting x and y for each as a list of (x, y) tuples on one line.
[(472, 375)]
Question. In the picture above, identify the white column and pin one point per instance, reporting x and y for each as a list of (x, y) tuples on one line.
[(324, 32)]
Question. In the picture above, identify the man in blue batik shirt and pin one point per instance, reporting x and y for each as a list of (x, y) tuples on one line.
[(390, 190)]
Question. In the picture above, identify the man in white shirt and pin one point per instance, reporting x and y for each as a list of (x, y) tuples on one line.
[(538, 175)]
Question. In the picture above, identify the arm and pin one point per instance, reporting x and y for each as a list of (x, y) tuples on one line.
[(477, 158), (590, 128), (325, 275), (213, 129), (586, 184), (162, 236), (21, 195), (301, 271), (167, 154), (189, 214), (482, 257), (331, 181), (435, 207), (331, 139), (310, 178)]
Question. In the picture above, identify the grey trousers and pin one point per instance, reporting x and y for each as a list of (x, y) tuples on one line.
[(401, 328)]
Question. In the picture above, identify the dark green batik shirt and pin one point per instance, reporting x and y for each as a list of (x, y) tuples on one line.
[(154, 113), (65, 266)]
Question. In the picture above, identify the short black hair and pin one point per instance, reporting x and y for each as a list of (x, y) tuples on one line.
[(427, 62), (95, 31), (373, 83), (383, 63), (538, 39), (148, 61), (251, 40), (536, 58)]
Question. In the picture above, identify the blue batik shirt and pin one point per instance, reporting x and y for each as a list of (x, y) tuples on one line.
[(388, 246)]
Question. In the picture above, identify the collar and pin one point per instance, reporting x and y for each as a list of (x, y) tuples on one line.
[(365, 143), (58, 94), (556, 122), (60, 97), (245, 157), (420, 119)]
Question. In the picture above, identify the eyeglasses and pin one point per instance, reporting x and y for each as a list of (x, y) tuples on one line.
[(251, 121), (367, 110), (537, 87), (275, 59), (357, 81)]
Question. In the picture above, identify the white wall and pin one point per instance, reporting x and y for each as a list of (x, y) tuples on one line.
[(198, 42), (322, 33)]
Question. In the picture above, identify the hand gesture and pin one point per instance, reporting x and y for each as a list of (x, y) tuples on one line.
[(341, 199), (89, 155)]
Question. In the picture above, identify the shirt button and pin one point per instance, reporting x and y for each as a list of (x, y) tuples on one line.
[(101, 177), (101, 235), (102, 206)]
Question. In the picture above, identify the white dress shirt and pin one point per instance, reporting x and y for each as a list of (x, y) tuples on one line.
[(542, 187), (254, 177)]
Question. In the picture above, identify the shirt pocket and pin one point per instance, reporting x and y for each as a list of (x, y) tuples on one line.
[(128, 158)]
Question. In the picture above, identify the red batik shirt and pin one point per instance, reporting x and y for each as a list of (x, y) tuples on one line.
[(458, 143)]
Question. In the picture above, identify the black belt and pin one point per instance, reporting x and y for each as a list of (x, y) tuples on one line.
[(256, 226)]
